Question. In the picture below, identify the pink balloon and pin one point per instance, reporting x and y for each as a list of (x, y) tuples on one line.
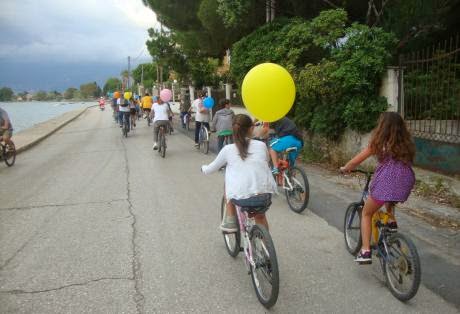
[(165, 94)]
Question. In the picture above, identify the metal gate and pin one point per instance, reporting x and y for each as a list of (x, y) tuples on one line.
[(430, 91)]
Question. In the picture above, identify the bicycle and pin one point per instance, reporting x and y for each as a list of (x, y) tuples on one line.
[(162, 141), (203, 139), (125, 128), (293, 181), (8, 153), (259, 251), (397, 254)]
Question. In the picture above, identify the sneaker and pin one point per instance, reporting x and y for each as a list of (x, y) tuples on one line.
[(229, 224), (364, 257), (155, 146), (197, 145), (275, 170), (392, 226)]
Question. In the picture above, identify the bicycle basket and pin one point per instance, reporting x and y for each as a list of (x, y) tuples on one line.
[(257, 204)]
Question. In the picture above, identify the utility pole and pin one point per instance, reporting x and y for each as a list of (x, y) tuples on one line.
[(142, 75), (129, 70)]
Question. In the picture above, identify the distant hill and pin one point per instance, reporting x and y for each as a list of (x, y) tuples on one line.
[(41, 76)]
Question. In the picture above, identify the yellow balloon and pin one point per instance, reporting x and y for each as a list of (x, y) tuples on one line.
[(268, 92), (128, 95)]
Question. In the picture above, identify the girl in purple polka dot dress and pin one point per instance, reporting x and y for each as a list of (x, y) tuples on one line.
[(393, 178)]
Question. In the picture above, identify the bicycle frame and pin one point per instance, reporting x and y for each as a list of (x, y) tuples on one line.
[(245, 224), (379, 219)]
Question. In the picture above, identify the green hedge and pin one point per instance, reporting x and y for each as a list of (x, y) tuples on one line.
[(337, 69)]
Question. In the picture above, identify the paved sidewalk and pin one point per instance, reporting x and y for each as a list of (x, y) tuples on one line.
[(31, 136)]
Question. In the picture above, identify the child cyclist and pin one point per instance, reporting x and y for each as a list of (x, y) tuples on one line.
[(393, 178), (222, 122), (247, 173)]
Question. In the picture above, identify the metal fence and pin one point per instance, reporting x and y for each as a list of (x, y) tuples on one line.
[(430, 91)]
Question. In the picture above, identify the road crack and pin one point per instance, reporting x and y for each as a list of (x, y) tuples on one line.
[(19, 291), (60, 205), (136, 264)]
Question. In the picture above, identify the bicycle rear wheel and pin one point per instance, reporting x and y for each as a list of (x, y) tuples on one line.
[(9, 154), (232, 240), (204, 140), (402, 267), (265, 274), (352, 228), (162, 142), (298, 197)]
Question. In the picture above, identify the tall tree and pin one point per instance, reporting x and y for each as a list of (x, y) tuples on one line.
[(112, 84), (6, 94)]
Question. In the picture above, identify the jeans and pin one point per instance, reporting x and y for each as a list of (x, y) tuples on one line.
[(197, 129), (124, 115), (220, 141), (182, 116)]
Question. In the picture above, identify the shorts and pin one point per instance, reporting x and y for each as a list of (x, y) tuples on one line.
[(282, 143), (146, 109), (257, 204), (132, 111)]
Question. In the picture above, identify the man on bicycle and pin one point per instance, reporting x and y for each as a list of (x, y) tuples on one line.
[(124, 112), (6, 128), (146, 104), (160, 114), (201, 116), (286, 135)]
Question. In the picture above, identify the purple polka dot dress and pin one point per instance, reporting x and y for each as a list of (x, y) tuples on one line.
[(393, 181)]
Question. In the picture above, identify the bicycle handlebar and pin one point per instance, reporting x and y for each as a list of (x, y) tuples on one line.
[(361, 171)]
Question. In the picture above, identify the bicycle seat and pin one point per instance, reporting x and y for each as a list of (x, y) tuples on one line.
[(291, 149), (257, 204)]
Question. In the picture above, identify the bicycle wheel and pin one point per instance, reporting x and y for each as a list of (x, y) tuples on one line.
[(9, 154), (232, 240), (401, 267), (163, 143), (352, 228), (265, 275), (298, 197), (204, 140)]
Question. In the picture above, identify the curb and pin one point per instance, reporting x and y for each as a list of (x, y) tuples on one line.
[(40, 138)]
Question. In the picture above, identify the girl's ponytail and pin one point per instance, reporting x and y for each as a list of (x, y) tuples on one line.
[(241, 125)]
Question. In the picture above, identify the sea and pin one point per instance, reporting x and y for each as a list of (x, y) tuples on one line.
[(24, 115)]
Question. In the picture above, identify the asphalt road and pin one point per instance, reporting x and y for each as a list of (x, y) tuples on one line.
[(91, 222)]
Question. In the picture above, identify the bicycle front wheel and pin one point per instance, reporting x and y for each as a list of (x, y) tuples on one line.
[(232, 240), (298, 196), (402, 267), (9, 154), (264, 274), (352, 228), (204, 140)]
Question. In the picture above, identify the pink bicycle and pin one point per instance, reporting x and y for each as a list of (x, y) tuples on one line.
[(256, 243)]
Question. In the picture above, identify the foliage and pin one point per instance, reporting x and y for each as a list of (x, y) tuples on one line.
[(40, 96), (90, 90), (342, 90), (112, 84), (431, 89), (70, 93), (6, 94)]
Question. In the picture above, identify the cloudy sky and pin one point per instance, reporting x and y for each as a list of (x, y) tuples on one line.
[(50, 44)]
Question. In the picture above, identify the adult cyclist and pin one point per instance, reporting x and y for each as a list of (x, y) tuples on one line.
[(147, 103), (201, 116), (6, 128)]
